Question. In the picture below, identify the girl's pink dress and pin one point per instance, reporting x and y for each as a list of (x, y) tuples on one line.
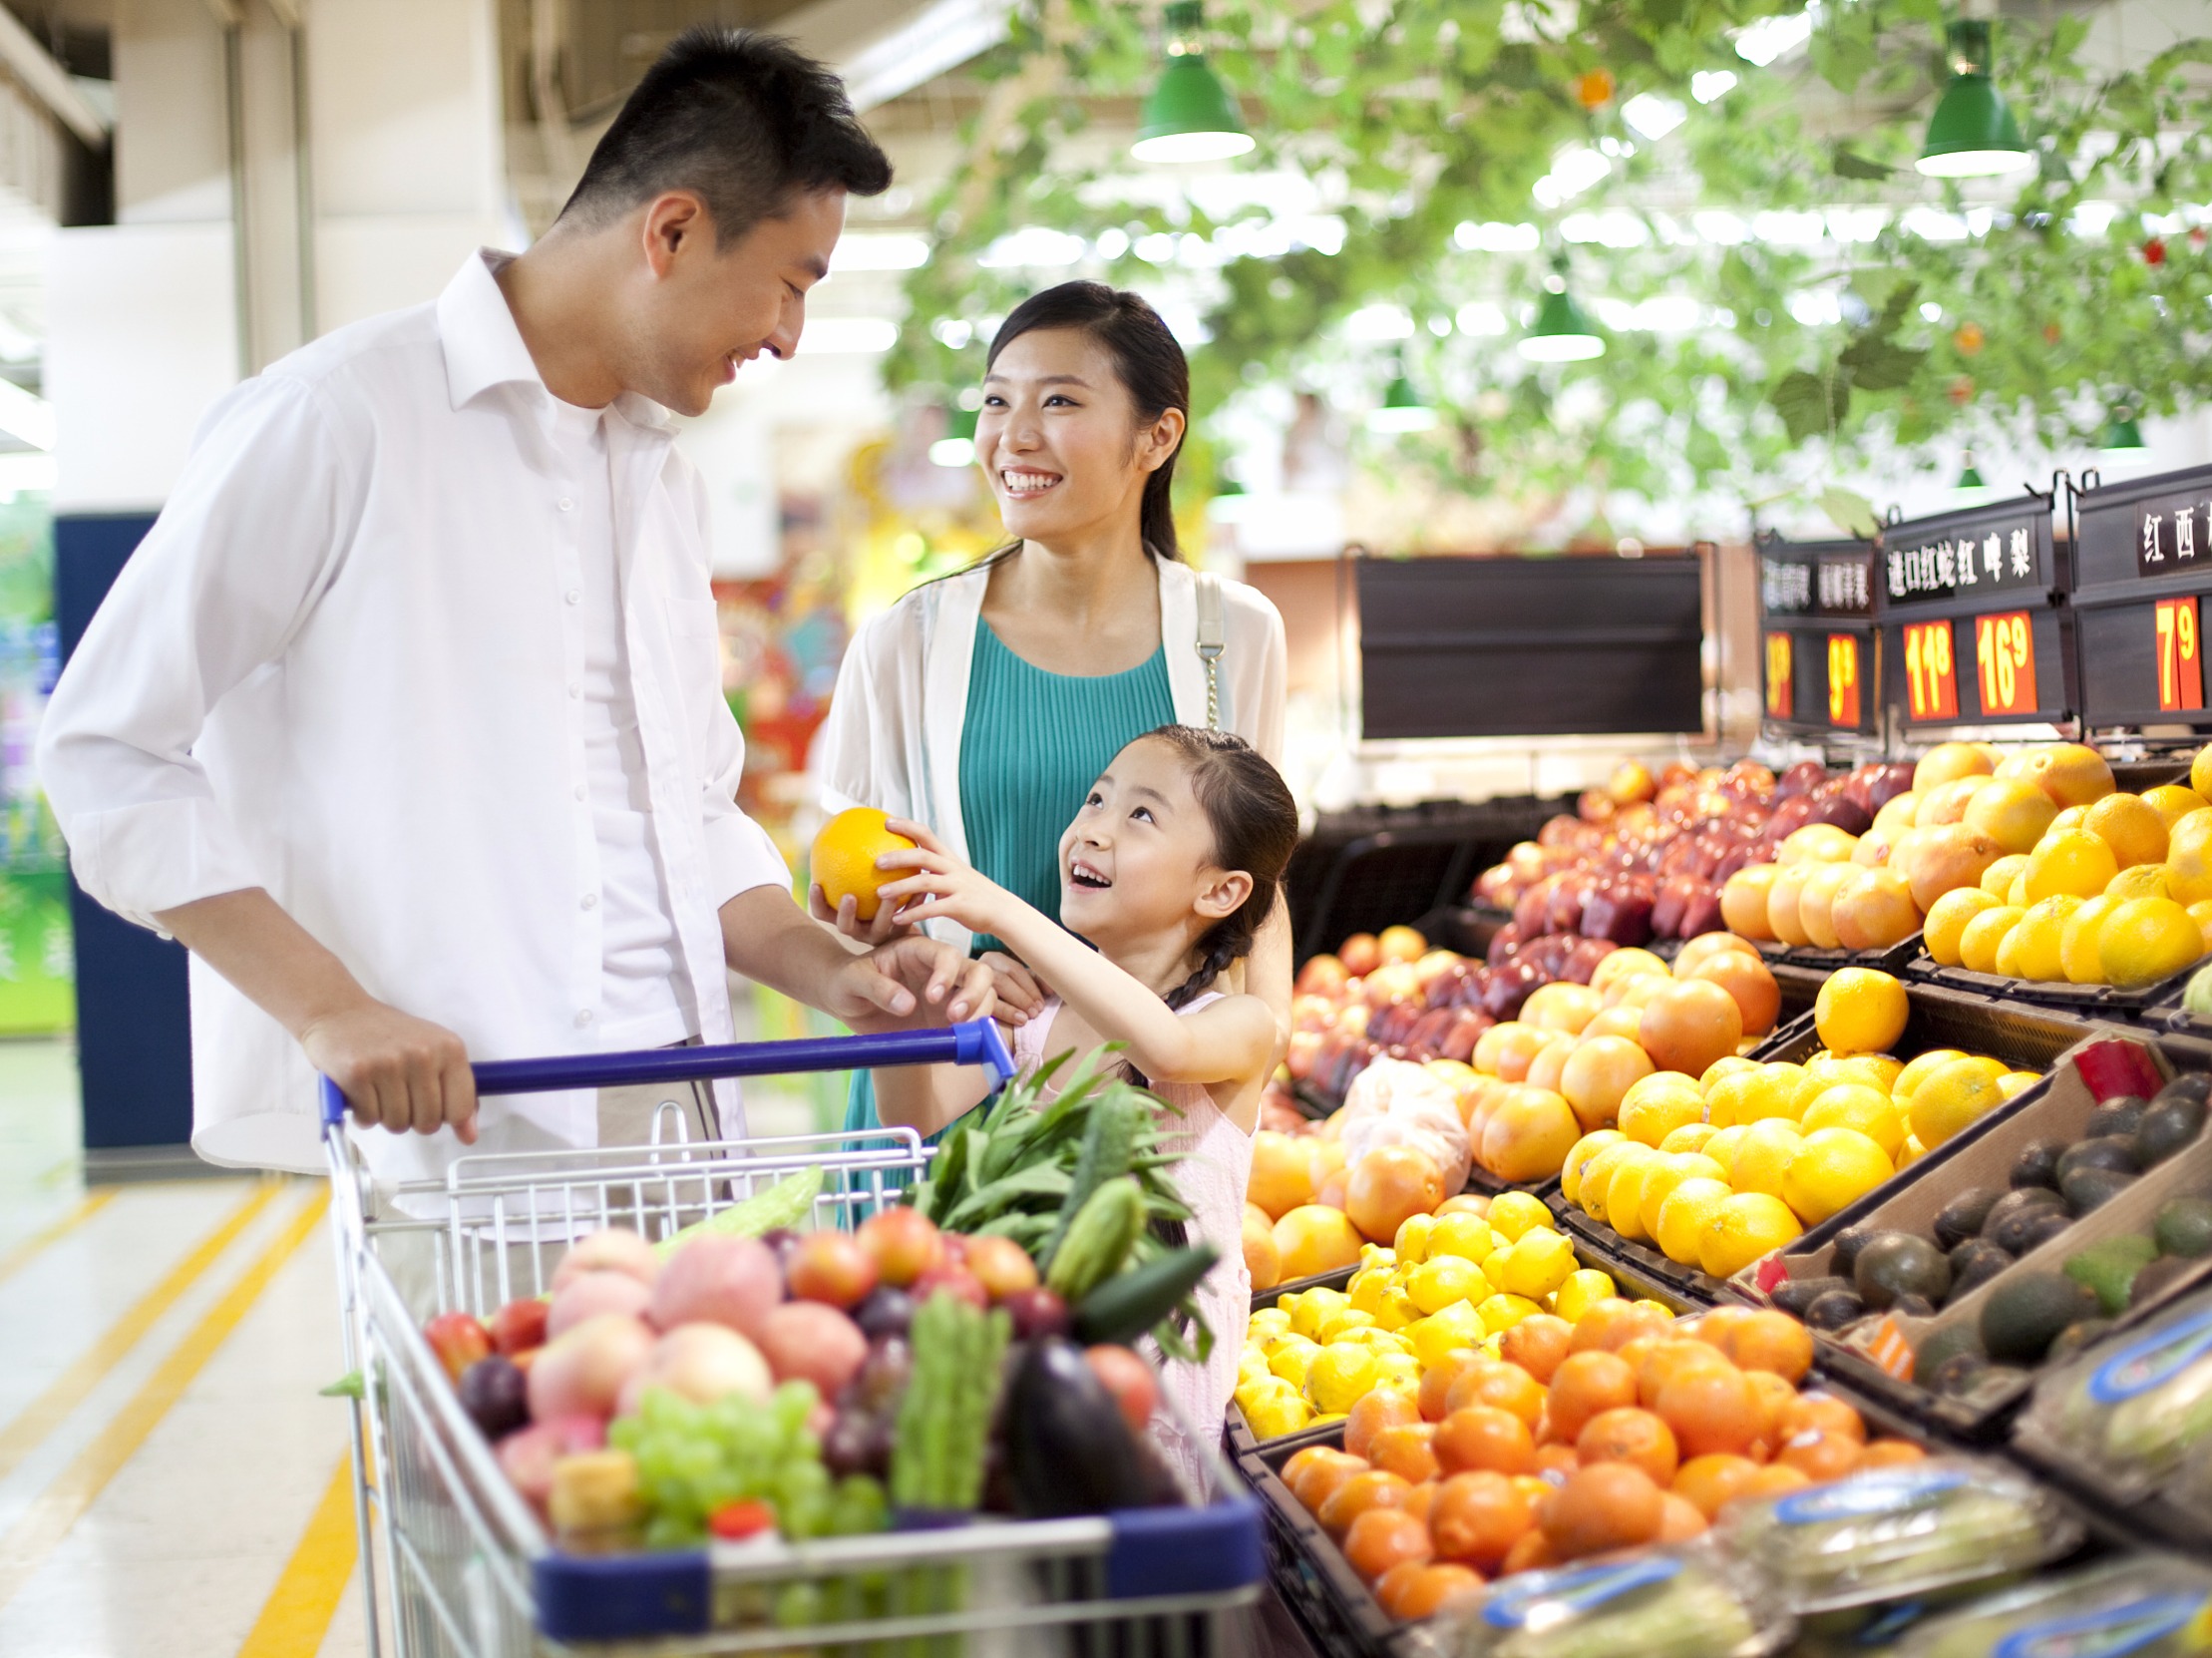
[(1211, 1177)]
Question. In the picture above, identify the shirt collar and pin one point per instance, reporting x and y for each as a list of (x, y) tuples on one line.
[(484, 348)]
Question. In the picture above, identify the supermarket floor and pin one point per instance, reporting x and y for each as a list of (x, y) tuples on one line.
[(170, 1483)]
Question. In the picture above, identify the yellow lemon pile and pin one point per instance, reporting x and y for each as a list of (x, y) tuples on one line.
[(1448, 1284), (2040, 870), (1720, 1170)]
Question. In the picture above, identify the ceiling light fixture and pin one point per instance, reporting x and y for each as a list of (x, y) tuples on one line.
[(1562, 334), (1190, 116), (1973, 133)]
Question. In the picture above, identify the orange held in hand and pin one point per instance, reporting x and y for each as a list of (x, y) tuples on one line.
[(844, 858)]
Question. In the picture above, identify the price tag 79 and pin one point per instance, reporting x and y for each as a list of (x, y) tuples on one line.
[(2180, 654), (1780, 692)]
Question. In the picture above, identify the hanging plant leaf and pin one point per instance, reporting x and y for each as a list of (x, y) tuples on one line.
[(1876, 363), (1849, 164), (1810, 404), (1852, 514)]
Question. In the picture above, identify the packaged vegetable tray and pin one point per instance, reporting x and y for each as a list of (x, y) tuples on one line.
[(1904, 1530), (2129, 1416), (1688, 1602), (2140, 1605)]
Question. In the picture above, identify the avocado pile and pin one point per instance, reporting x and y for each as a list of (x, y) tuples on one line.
[(1982, 1232)]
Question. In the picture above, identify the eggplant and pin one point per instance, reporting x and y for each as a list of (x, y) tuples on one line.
[(1069, 1450)]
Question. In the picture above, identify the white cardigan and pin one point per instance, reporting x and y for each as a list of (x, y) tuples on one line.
[(893, 736)]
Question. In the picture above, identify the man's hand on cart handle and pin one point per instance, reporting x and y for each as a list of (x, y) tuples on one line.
[(395, 1069)]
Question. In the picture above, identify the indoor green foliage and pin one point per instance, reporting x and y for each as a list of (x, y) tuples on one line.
[(1983, 313)]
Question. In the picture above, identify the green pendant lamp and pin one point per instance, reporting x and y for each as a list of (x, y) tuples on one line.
[(1971, 478), (1563, 332), (957, 446), (1190, 116), (1402, 408), (1973, 133), (2121, 435)]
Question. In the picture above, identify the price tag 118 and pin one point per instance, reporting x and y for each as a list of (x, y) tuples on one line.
[(1843, 681), (2005, 662), (2180, 654), (1931, 674), (1780, 692)]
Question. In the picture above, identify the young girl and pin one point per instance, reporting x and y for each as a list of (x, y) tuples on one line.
[(1168, 871)]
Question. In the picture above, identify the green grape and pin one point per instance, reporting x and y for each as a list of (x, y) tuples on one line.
[(859, 1508), (798, 1604)]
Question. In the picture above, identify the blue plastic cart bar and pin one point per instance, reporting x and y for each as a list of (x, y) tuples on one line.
[(976, 1042)]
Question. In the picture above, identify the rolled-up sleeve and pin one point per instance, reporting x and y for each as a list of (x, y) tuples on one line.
[(213, 594)]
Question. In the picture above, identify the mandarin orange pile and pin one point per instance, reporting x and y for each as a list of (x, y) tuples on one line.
[(1622, 1430)]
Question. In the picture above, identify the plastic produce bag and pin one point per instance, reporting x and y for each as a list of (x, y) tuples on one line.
[(2133, 1413), (2143, 1606), (1684, 1602), (1906, 1529), (1394, 1102)]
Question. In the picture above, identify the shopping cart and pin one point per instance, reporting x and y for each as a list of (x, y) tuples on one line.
[(472, 1572)]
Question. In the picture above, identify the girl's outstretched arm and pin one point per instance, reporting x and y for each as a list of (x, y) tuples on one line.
[(1231, 1041), (927, 1099)]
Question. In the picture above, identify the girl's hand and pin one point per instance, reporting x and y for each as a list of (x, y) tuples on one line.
[(846, 918), (1020, 993), (943, 885)]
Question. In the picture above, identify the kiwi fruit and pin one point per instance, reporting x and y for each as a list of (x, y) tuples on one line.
[(1843, 1253), (2090, 1188), (2166, 1127), (1835, 1310), (2157, 1278), (2075, 1337), (1962, 1216), (2023, 1316), (1897, 1264), (2115, 1155), (1794, 1295), (2184, 1227), (2038, 1164), (2118, 1118), (2010, 1217), (1974, 1263)]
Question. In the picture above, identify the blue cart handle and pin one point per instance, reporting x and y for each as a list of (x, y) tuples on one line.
[(976, 1042)]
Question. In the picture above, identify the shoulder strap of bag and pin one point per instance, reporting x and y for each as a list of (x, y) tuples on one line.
[(1213, 639)]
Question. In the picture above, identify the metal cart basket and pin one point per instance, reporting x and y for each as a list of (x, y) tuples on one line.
[(472, 1572)]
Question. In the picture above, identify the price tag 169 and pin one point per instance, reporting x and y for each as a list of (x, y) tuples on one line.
[(1931, 674), (2005, 662), (1780, 692), (1843, 681), (2180, 654)]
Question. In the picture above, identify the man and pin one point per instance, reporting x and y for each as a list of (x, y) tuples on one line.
[(406, 717)]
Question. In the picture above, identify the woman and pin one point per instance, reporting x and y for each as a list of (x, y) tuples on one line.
[(983, 705)]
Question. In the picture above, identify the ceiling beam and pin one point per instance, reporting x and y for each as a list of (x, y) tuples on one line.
[(882, 48), (48, 81)]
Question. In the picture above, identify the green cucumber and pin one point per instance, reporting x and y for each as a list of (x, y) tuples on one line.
[(1098, 1239), (1124, 1308)]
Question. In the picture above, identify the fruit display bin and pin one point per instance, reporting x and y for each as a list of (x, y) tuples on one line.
[(1340, 1614), (1878, 1355), (474, 1570), (1813, 958), (2024, 1038), (2102, 1002)]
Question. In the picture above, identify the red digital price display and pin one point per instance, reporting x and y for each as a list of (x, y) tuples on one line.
[(1931, 674), (2005, 661), (1843, 681), (1780, 690), (2180, 658)]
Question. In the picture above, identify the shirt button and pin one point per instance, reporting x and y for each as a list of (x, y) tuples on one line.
[(575, 690), (566, 505), (579, 791), (572, 596), (590, 901), (583, 1016)]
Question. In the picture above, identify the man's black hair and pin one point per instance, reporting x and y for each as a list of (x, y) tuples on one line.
[(746, 120)]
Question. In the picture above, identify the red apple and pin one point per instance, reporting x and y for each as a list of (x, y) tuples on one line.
[(904, 1243), (459, 1341), (830, 1267), (520, 1326)]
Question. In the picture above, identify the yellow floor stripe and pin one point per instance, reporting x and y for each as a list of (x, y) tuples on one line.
[(297, 1614), (51, 1407), (41, 1531), (13, 1262)]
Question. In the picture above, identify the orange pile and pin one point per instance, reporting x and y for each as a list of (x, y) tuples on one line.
[(1622, 1430)]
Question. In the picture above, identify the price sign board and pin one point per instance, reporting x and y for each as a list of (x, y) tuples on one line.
[(2144, 565), (1843, 681), (1974, 620), (2005, 662), (1931, 675), (1813, 595)]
